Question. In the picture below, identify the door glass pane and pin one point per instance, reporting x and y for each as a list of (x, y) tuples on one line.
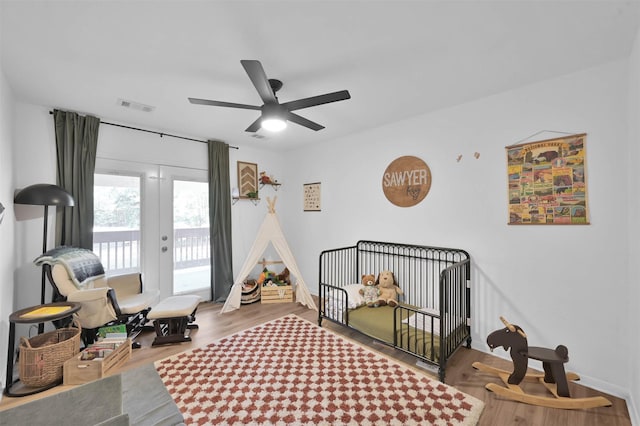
[(191, 250), (116, 229)]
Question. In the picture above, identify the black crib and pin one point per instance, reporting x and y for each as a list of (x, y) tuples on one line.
[(436, 286)]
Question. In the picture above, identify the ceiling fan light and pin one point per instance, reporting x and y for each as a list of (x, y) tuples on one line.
[(273, 124)]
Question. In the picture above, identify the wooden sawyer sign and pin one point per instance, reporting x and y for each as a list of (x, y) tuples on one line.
[(406, 181)]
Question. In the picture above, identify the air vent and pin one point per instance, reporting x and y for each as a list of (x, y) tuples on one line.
[(257, 136), (135, 105)]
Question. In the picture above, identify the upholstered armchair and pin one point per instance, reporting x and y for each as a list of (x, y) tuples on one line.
[(77, 275)]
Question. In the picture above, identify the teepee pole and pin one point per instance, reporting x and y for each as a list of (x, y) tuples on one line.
[(272, 204)]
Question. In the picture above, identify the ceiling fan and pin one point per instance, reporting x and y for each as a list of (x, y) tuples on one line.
[(274, 114)]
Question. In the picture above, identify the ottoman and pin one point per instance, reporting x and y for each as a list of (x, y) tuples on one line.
[(172, 317)]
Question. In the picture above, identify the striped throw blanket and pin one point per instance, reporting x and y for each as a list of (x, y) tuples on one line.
[(82, 265)]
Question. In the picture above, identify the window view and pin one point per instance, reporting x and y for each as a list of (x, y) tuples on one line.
[(116, 229), (191, 253)]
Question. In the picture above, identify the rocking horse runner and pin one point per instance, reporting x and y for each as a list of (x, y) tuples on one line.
[(554, 378)]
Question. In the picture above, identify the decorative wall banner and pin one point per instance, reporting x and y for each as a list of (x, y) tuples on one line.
[(248, 179), (312, 197), (548, 182), (406, 181)]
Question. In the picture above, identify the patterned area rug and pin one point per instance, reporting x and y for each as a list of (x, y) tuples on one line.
[(289, 371)]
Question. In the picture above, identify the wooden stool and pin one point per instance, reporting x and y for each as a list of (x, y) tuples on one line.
[(172, 317)]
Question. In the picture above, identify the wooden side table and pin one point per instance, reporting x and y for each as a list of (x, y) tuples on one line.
[(33, 315)]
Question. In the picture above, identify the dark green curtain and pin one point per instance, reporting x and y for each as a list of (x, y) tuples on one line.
[(76, 146), (220, 220)]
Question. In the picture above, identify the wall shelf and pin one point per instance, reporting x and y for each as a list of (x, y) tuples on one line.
[(255, 201), (275, 186)]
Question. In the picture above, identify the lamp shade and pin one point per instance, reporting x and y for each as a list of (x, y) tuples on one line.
[(44, 194), (274, 124), (273, 117)]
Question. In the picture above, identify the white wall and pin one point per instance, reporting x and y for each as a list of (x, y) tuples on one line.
[(516, 268), (562, 284), (633, 159), (35, 160), (125, 144), (7, 258), (245, 215), (35, 147)]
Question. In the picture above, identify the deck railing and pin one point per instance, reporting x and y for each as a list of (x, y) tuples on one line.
[(119, 251)]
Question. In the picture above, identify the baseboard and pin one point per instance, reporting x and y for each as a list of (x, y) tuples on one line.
[(429, 367), (634, 415), (601, 386), (613, 390)]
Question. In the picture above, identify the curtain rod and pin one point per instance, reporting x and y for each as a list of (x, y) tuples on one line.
[(155, 132)]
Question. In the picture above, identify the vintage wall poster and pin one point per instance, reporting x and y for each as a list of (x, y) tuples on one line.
[(547, 182)]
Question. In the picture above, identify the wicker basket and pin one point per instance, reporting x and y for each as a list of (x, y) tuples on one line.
[(42, 356), (250, 292)]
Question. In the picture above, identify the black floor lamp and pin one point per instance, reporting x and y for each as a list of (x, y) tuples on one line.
[(43, 194)]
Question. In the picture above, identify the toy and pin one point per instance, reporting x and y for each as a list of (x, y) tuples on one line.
[(283, 277), (369, 291), (265, 179), (554, 377), (267, 278), (389, 289), (270, 279)]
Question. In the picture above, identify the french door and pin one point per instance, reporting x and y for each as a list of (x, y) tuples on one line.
[(185, 261), (169, 240)]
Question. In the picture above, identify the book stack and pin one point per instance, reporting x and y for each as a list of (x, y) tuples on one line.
[(112, 332), (109, 338), (100, 349)]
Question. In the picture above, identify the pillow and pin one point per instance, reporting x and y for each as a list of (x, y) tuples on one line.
[(353, 295), (423, 322)]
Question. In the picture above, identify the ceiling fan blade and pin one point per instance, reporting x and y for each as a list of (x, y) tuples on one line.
[(221, 104), (303, 121), (317, 100), (255, 126), (259, 79)]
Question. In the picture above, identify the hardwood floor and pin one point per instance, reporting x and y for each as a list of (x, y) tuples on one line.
[(497, 411)]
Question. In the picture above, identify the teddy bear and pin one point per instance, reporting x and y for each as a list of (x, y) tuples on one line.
[(388, 288), (369, 291), (283, 277)]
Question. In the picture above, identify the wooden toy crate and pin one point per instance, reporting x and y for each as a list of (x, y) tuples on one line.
[(77, 371), (277, 294)]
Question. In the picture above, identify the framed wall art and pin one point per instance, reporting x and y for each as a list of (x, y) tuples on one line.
[(547, 182), (311, 197), (248, 179)]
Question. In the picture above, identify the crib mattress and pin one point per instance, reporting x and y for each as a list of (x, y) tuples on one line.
[(378, 323)]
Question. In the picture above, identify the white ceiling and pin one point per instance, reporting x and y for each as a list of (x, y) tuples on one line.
[(397, 58)]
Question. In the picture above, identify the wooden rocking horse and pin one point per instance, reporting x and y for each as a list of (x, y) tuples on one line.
[(554, 378)]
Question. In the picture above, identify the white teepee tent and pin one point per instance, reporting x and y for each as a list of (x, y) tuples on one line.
[(269, 232)]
